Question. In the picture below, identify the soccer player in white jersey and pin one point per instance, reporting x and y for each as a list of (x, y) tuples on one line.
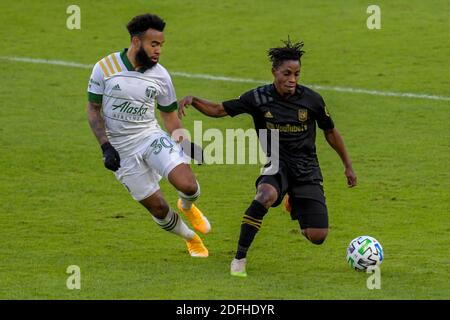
[(124, 90)]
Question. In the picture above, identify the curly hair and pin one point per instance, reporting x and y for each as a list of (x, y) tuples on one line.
[(142, 23), (290, 51)]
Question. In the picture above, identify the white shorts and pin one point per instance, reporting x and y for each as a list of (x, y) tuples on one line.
[(140, 173)]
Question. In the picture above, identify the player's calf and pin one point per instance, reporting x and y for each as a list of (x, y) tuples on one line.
[(166, 218), (156, 205)]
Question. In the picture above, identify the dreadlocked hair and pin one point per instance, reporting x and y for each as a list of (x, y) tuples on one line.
[(290, 51)]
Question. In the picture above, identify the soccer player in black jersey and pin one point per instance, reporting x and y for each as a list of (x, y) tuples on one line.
[(294, 110)]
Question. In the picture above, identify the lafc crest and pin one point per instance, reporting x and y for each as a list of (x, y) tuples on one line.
[(302, 115)]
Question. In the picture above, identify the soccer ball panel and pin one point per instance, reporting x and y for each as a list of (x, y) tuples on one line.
[(363, 252)]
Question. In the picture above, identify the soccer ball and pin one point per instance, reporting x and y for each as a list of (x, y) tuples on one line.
[(363, 252)]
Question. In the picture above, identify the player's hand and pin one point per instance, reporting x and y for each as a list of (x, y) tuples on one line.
[(111, 157), (183, 104), (192, 150), (351, 177)]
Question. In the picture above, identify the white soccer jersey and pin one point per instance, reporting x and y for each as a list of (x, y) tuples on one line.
[(128, 99)]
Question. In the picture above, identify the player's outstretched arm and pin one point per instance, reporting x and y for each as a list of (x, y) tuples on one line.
[(335, 140), (171, 122), (211, 109), (96, 122), (111, 157)]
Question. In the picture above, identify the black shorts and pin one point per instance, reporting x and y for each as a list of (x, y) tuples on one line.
[(307, 199), (309, 212)]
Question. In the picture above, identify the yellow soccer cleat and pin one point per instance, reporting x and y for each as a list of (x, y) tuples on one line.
[(196, 217), (196, 247)]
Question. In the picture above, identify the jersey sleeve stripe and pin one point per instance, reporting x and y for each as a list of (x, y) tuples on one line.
[(94, 97), (169, 108), (262, 95), (116, 63), (108, 62), (105, 71), (258, 101)]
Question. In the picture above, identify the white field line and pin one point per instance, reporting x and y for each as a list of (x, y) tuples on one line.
[(243, 80)]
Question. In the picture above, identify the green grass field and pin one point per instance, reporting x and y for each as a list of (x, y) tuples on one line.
[(60, 207)]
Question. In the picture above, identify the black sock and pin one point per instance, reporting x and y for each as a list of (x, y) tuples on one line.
[(251, 222)]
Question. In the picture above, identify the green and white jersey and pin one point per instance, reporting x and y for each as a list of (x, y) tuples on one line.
[(128, 99)]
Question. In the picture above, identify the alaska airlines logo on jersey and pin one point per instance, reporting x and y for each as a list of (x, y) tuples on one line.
[(129, 108), (302, 115), (150, 92)]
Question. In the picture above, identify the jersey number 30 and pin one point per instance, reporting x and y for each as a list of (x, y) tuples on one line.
[(158, 144)]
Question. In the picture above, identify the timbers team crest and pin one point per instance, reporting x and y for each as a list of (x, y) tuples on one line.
[(150, 92)]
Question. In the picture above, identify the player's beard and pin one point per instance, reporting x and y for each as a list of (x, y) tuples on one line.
[(143, 59)]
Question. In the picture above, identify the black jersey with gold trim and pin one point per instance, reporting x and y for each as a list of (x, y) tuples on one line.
[(295, 118)]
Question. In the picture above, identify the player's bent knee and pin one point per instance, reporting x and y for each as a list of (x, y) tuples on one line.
[(317, 241), (266, 195), (316, 236), (189, 188), (183, 179)]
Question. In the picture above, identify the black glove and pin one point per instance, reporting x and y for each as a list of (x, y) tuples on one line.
[(111, 157), (192, 150)]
